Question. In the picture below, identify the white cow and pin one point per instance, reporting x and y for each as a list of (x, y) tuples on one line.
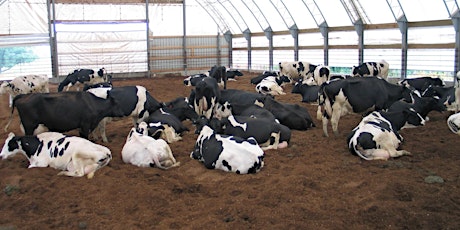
[(75, 156), (272, 85), (143, 150), (25, 84)]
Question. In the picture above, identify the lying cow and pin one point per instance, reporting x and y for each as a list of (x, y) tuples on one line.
[(453, 122), (167, 123), (75, 156), (232, 74), (422, 83), (192, 80), (228, 153), (372, 69), (377, 138), (272, 85), (269, 134), (144, 151), (258, 79), (82, 76), (25, 84), (309, 92)]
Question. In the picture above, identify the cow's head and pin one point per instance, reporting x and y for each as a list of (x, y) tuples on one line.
[(11, 147)]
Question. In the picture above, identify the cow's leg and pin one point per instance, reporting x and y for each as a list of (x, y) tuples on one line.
[(11, 100), (170, 161), (336, 113), (325, 121)]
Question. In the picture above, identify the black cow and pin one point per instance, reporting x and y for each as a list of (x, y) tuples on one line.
[(62, 112), (309, 92), (241, 97), (231, 74), (356, 95), (422, 83), (290, 115), (83, 76), (205, 96), (220, 74), (181, 108)]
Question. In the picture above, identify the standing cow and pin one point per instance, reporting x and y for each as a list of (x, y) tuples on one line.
[(372, 69), (75, 156), (25, 84), (207, 95), (356, 95)]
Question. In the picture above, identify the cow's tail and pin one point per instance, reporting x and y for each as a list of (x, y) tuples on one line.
[(11, 116), (321, 98)]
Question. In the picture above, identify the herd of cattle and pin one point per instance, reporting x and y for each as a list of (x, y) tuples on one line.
[(234, 127)]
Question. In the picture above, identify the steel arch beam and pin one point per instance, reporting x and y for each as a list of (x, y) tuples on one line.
[(214, 14), (454, 14), (400, 18), (281, 8), (226, 4), (320, 21)]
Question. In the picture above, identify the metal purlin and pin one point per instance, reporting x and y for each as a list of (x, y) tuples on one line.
[(320, 21), (400, 18), (358, 23), (253, 7), (454, 14)]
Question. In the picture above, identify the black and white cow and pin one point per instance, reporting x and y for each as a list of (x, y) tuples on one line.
[(228, 153), (252, 110), (422, 83), (269, 134), (220, 74), (272, 85), (25, 84), (144, 151), (240, 97), (75, 156), (206, 96), (422, 105), (232, 74), (169, 125), (356, 95), (296, 70), (453, 122), (83, 76), (258, 79), (377, 135), (193, 79), (320, 74), (446, 96), (309, 92), (371, 69)]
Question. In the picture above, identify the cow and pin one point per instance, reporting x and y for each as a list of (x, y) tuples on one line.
[(75, 156), (377, 135), (290, 115), (269, 134), (206, 96), (320, 75), (446, 96), (83, 76), (309, 92), (227, 153), (356, 95), (296, 70), (422, 83), (181, 108), (193, 79), (371, 69), (272, 85), (232, 74), (422, 105), (170, 125), (25, 84), (144, 151), (220, 74), (453, 122), (62, 112), (240, 97), (259, 78)]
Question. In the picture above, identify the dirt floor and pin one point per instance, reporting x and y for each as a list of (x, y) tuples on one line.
[(314, 184)]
